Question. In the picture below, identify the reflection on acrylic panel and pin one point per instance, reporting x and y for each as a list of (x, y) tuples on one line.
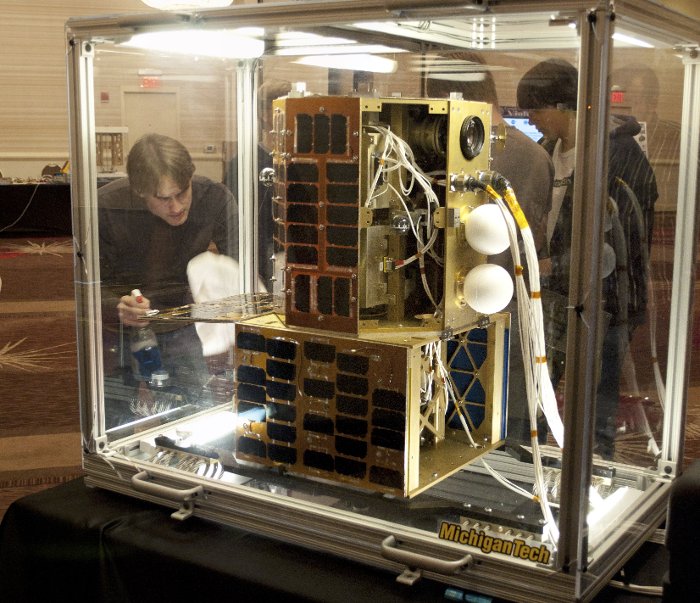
[(519, 119)]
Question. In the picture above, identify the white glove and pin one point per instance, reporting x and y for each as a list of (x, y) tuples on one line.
[(213, 277)]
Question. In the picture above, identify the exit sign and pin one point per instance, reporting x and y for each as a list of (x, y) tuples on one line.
[(150, 81), (617, 97)]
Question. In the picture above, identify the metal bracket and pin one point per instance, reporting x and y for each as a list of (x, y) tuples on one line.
[(445, 217), (668, 469), (186, 510), (409, 576), (101, 443)]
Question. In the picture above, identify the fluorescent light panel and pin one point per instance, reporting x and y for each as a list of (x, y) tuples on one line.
[(624, 38), (186, 4), (352, 62), (230, 44)]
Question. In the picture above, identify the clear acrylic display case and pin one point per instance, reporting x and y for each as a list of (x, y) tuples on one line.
[(358, 379)]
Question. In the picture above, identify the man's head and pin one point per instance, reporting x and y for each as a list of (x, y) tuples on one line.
[(548, 91), (551, 84), (160, 171)]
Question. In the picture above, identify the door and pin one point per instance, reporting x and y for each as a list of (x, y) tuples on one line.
[(147, 111)]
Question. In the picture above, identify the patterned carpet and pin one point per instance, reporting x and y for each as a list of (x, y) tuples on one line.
[(39, 415)]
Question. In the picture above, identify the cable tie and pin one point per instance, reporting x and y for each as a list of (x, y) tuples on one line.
[(541, 359), (519, 270), (536, 294)]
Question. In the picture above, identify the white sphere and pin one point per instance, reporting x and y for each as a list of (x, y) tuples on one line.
[(485, 230), (488, 288), (609, 260)]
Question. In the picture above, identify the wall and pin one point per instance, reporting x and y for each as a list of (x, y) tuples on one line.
[(34, 119), (686, 7), (33, 97), (198, 88)]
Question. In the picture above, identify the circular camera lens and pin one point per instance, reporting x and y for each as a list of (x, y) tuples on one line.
[(471, 137)]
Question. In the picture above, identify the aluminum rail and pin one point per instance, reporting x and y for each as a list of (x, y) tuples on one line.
[(86, 267), (321, 12), (585, 286), (680, 321)]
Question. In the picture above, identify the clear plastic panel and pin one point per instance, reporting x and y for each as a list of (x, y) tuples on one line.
[(647, 89), (374, 378)]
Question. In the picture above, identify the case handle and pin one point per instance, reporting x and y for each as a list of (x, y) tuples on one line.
[(141, 483), (416, 563)]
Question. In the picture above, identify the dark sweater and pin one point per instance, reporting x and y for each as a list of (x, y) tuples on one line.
[(628, 171), (140, 250)]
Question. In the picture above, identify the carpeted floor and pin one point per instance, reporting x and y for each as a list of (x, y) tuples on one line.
[(39, 415)]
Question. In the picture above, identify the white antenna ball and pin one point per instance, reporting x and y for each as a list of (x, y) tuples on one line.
[(609, 260), (485, 229), (488, 288)]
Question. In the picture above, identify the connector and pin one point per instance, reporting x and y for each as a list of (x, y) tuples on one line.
[(464, 183), (499, 182)]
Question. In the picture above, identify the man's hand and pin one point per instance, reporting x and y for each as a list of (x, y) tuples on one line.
[(131, 307)]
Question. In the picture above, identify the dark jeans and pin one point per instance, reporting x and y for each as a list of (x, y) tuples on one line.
[(615, 345), (612, 355)]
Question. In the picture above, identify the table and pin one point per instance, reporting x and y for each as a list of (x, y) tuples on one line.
[(41, 208), (76, 543)]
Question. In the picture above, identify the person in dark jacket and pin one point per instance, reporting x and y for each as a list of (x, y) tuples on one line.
[(549, 92), (151, 224)]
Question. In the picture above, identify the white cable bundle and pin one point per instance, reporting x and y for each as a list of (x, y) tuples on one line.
[(538, 385), (546, 397), (436, 360)]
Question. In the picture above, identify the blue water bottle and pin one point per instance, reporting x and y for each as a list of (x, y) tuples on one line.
[(144, 349)]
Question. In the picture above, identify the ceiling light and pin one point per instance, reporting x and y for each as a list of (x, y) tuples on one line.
[(356, 50), (186, 4), (230, 44), (352, 62), (620, 37), (301, 43), (294, 39), (457, 77)]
